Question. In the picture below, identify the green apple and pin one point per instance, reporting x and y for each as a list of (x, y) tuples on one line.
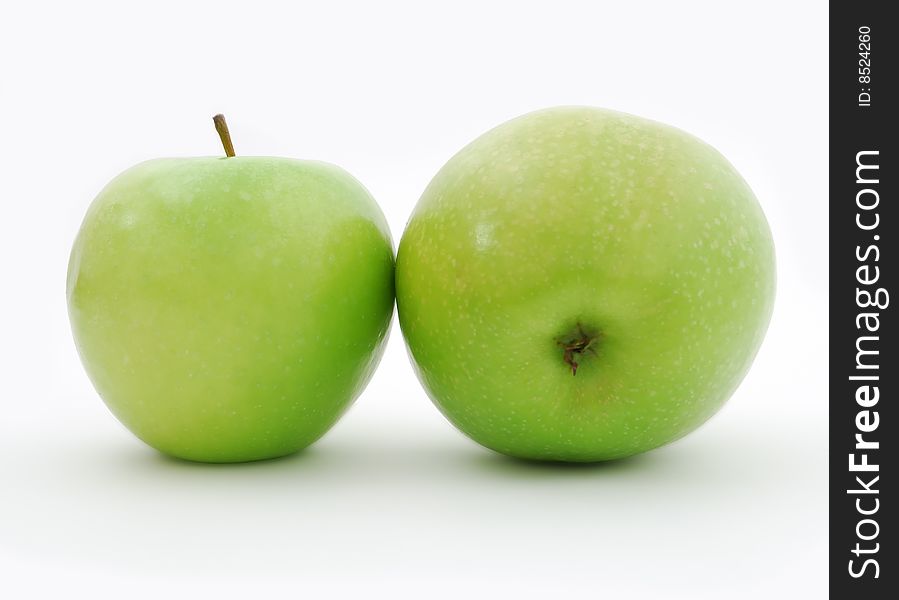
[(580, 284), (230, 309)]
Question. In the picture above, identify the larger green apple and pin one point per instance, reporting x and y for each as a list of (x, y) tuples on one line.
[(581, 285), (230, 309)]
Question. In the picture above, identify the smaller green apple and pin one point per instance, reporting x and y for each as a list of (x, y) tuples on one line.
[(230, 309)]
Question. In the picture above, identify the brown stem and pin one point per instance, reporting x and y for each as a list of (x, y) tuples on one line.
[(222, 128), (576, 345)]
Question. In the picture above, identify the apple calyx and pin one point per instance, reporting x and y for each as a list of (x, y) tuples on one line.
[(576, 344), (222, 128)]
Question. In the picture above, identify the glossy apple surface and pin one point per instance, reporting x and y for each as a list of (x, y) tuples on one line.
[(582, 285), (230, 309)]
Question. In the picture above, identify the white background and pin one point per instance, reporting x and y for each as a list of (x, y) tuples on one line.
[(393, 502)]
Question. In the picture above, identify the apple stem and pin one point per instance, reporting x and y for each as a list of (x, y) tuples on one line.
[(222, 128), (575, 345)]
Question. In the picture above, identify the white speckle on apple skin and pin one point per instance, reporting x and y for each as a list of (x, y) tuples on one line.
[(625, 225)]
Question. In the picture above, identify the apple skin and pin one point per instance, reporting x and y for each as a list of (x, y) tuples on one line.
[(581, 223), (230, 309)]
